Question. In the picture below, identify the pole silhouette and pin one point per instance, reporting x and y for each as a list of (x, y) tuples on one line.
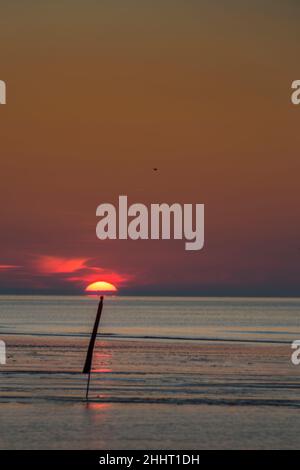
[(89, 357)]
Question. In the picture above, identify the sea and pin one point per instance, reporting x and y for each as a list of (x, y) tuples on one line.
[(168, 373)]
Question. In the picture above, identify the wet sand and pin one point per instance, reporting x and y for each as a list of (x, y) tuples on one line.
[(236, 388)]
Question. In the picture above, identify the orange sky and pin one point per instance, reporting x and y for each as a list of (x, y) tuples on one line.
[(101, 92)]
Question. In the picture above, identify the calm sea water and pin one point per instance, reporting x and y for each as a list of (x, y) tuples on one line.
[(168, 373)]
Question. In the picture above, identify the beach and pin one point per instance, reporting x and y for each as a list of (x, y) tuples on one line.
[(168, 373)]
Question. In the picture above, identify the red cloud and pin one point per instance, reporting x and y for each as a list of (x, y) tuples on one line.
[(7, 267), (55, 264), (92, 274), (76, 270), (108, 276)]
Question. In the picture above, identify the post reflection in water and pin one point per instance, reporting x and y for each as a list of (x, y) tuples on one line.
[(102, 361)]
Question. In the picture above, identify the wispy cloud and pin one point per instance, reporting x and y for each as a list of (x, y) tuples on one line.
[(79, 271), (8, 267), (55, 265)]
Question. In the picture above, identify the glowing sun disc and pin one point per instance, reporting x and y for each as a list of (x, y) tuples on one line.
[(101, 286)]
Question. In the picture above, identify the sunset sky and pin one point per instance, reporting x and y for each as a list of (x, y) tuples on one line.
[(99, 93)]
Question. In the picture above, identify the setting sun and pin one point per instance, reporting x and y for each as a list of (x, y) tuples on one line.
[(101, 286)]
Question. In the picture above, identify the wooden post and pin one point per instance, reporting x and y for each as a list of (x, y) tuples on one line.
[(89, 357)]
